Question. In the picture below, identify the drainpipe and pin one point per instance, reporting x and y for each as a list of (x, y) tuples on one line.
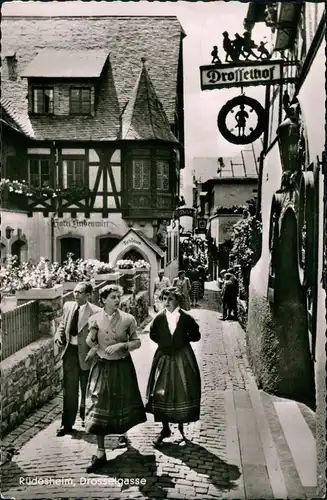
[(52, 223)]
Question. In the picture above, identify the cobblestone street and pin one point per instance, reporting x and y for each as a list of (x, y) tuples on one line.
[(226, 455)]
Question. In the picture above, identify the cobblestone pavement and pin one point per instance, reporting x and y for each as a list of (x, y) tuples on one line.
[(196, 469), (246, 445)]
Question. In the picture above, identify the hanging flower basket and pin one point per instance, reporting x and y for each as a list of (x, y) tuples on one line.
[(40, 293)]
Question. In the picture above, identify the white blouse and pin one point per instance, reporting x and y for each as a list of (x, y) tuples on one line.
[(172, 319)]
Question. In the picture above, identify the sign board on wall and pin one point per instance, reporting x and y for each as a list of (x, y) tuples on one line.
[(242, 74)]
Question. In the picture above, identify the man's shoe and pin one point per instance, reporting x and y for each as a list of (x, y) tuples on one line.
[(96, 463), (62, 431)]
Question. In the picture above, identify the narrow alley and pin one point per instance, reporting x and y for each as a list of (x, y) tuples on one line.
[(247, 444)]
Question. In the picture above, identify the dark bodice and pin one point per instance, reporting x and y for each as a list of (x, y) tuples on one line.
[(187, 330)]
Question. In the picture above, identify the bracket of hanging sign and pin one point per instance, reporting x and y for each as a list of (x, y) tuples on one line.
[(245, 74)]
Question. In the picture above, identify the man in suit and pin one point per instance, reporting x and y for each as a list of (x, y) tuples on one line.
[(71, 334)]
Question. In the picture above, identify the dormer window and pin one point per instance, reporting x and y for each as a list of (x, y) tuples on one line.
[(43, 100), (80, 101)]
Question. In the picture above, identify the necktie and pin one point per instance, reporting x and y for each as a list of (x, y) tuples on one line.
[(74, 324)]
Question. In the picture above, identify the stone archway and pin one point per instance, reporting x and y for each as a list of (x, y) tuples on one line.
[(134, 251), (289, 316)]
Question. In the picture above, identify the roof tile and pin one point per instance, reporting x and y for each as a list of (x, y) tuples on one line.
[(127, 39)]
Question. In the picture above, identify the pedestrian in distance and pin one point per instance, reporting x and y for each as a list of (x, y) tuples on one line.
[(236, 291), (174, 387), (228, 297), (160, 283), (71, 335), (194, 277), (113, 388), (184, 286)]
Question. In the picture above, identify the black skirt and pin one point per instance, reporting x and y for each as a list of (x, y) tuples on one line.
[(174, 387), (116, 400)]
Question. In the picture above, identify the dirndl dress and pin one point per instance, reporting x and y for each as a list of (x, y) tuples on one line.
[(195, 291), (116, 400), (174, 387)]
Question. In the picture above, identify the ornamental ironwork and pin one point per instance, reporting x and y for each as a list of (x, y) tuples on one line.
[(242, 120)]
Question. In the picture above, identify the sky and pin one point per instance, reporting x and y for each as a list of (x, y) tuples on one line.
[(203, 24)]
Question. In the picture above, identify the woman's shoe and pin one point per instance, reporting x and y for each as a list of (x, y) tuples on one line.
[(181, 430), (165, 433), (122, 442), (96, 463)]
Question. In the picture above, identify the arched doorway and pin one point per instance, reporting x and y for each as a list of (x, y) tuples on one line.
[(133, 255), (70, 245), (18, 248)]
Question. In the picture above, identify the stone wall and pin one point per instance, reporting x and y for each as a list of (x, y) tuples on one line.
[(29, 378)]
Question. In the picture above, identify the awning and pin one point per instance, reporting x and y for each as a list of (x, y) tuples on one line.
[(66, 64)]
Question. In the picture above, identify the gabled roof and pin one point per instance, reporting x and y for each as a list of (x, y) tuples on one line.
[(66, 64), (126, 38), (148, 242), (144, 117), (15, 121)]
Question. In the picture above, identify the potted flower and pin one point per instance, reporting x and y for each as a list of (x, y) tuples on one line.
[(74, 271), (126, 266), (142, 265), (39, 282), (105, 272)]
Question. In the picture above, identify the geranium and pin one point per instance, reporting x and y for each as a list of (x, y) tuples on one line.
[(141, 263), (25, 276), (77, 270), (125, 264)]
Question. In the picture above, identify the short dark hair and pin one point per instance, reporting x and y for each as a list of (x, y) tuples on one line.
[(88, 288), (106, 290), (182, 271), (172, 290)]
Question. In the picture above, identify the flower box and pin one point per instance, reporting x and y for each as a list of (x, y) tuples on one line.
[(69, 285), (107, 276), (40, 293), (127, 271), (8, 303), (142, 270)]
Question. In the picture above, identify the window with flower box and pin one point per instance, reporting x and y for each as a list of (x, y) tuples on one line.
[(39, 172), (42, 100)]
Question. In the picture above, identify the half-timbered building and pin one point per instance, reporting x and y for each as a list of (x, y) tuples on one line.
[(94, 122)]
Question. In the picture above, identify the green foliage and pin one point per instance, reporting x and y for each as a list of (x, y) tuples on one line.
[(246, 242)]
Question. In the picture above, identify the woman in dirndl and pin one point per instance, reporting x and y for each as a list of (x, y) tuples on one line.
[(174, 386), (113, 388), (194, 277)]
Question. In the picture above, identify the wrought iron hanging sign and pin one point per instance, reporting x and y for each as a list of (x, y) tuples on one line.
[(242, 120), (246, 64)]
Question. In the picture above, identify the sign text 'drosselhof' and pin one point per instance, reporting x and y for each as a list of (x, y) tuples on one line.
[(241, 74)]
